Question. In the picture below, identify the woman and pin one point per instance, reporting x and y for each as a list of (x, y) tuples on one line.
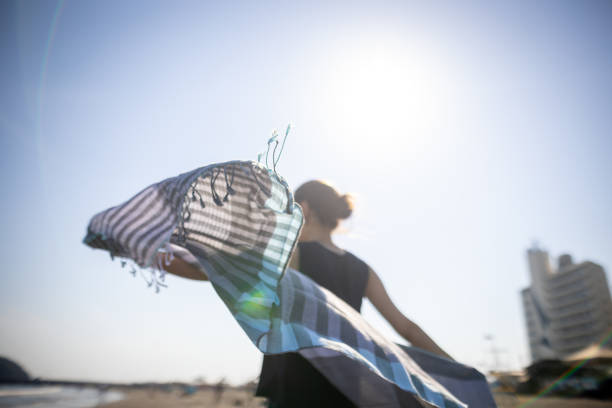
[(289, 380), (184, 224)]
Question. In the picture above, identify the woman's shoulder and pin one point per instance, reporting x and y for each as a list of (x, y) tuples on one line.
[(360, 263), (317, 246)]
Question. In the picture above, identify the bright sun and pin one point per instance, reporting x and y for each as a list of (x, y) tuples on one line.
[(383, 101)]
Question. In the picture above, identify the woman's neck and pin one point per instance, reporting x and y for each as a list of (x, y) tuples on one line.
[(320, 234)]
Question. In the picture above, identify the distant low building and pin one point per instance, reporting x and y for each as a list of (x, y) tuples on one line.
[(566, 308)]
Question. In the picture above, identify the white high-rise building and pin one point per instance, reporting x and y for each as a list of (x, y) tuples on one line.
[(567, 308)]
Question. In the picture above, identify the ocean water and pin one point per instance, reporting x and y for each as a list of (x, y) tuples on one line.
[(33, 396)]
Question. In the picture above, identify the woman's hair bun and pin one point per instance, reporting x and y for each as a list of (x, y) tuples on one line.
[(345, 206), (329, 206)]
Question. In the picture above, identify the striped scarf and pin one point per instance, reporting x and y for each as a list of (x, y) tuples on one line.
[(237, 223)]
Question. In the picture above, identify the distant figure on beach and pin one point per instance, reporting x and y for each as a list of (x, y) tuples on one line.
[(219, 388), (289, 380)]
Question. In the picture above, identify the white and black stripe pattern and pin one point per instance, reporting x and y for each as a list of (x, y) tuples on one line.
[(141, 226)]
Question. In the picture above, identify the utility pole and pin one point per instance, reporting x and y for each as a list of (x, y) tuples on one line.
[(494, 351)]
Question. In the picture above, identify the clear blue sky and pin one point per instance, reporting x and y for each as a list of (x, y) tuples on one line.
[(465, 130)]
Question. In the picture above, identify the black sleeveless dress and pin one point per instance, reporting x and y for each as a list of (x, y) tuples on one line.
[(289, 380)]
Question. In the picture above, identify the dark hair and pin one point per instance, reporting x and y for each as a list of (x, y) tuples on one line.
[(329, 206)]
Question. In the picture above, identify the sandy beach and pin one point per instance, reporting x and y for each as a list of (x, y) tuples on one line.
[(204, 398), (241, 398), (516, 401)]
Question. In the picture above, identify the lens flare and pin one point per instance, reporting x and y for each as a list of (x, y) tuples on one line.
[(256, 305), (59, 7), (564, 376)]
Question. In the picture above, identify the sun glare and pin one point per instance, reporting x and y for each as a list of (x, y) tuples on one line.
[(379, 101)]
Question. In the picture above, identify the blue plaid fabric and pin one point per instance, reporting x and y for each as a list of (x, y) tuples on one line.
[(238, 223)]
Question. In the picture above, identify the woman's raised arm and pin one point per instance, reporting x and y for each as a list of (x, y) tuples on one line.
[(377, 294), (180, 267)]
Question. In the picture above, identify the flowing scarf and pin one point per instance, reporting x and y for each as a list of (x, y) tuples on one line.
[(237, 222)]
